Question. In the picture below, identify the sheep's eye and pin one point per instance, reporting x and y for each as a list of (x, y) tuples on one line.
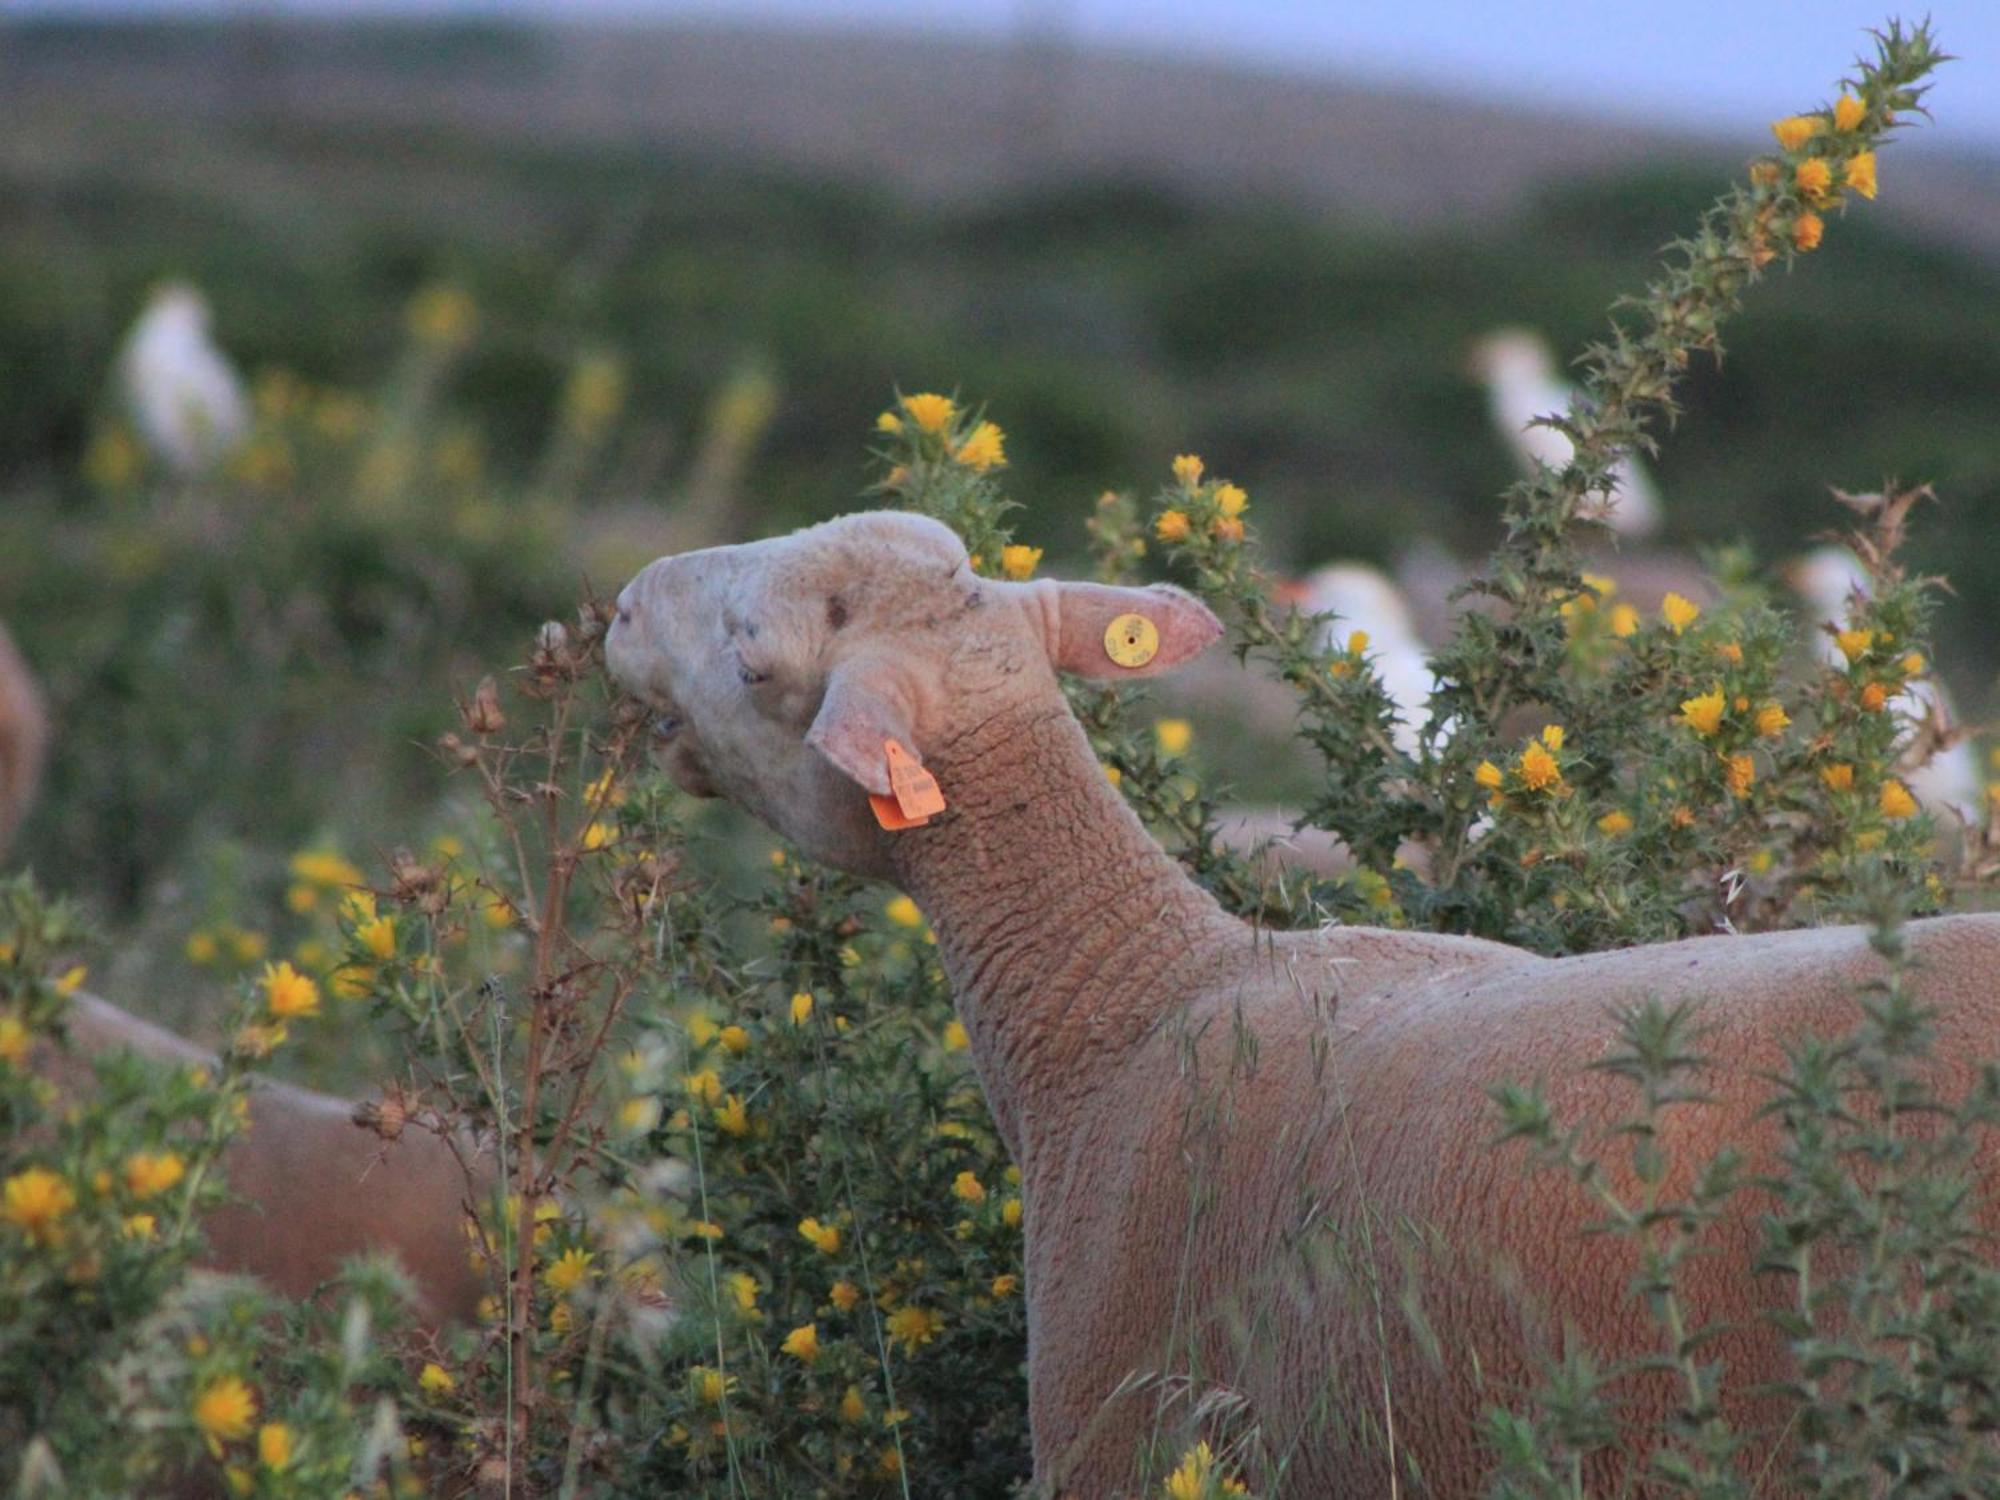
[(749, 676), (666, 726)]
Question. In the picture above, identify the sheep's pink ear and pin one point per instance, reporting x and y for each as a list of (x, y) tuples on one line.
[(864, 710), (1104, 631)]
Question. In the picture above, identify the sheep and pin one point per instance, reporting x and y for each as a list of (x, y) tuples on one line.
[(1244, 1154), (309, 1186), (181, 390), (1519, 371), (24, 734)]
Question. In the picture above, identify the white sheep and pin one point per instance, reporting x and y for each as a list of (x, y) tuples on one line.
[(1829, 580), (1519, 372), (1248, 1157), (1363, 598), (181, 390)]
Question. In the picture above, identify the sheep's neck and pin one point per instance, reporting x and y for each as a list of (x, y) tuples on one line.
[(1066, 931)]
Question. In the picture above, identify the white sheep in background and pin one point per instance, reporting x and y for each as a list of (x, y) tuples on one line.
[(1364, 598), (1245, 1154), (1522, 383), (1826, 580), (182, 392)]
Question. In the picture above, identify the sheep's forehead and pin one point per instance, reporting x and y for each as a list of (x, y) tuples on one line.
[(873, 568)]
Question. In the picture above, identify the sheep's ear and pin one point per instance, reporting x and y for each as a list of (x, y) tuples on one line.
[(864, 710), (1103, 631)]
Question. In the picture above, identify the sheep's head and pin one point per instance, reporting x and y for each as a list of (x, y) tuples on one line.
[(781, 670)]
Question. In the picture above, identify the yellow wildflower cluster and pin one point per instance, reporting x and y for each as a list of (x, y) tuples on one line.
[(1537, 769), (1213, 508)]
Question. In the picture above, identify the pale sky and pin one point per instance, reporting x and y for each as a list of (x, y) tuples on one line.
[(1696, 64)]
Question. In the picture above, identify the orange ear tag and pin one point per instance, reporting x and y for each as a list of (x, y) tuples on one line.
[(916, 798), (1132, 640)]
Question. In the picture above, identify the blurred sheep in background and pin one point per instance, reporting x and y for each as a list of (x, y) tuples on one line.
[(1519, 372), (183, 393)]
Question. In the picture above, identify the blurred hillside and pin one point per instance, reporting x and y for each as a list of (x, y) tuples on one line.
[(1125, 258)]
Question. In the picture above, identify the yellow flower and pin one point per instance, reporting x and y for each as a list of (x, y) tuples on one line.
[(1795, 130), (701, 1031), (436, 1380), (1807, 230), (15, 1039), (1730, 652), (1896, 801), (853, 1410), (138, 1226), (224, 1411), (302, 898), (1848, 112), (955, 1039), (1738, 773), (967, 1187), (743, 1290), (34, 1201), (1678, 612), (824, 1238), (1226, 529), (732, 1118), (1190, 1479), (201, 948), (1913, 664), (913, 1327), (1113, 775), (705, 1229), (735, 1040), (568, 1272), (1539, 770), (1018, 562), (1854, 644), (1173, 736), (1172, 526), (71, 979), (802, 1008), (151, 1172), (1772, 720), (985, 449), (1552, 736), (274, 1446), (1838, 778), (288, 992), (638, 1114), (1874, 698), (705, 1086), (322, 867), (1231, 500), (378, 936), (1859, 174), (1489, 776), (903, 912), (802, 1343), (1703, 714), (1813, 177), (931, 412), (1010, 1213), (1187, 470), (1614, 823), (709, 1385), (1624, 620), (843, 1295), (889, 422), (1003, 1286)]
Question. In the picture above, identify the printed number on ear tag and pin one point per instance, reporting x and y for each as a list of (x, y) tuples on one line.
[(1132, 640), (916, 798)]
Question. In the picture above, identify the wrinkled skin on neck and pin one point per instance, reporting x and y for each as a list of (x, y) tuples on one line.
[(1253, 1163)]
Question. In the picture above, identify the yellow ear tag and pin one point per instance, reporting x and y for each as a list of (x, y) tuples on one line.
[(1132, 640)]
